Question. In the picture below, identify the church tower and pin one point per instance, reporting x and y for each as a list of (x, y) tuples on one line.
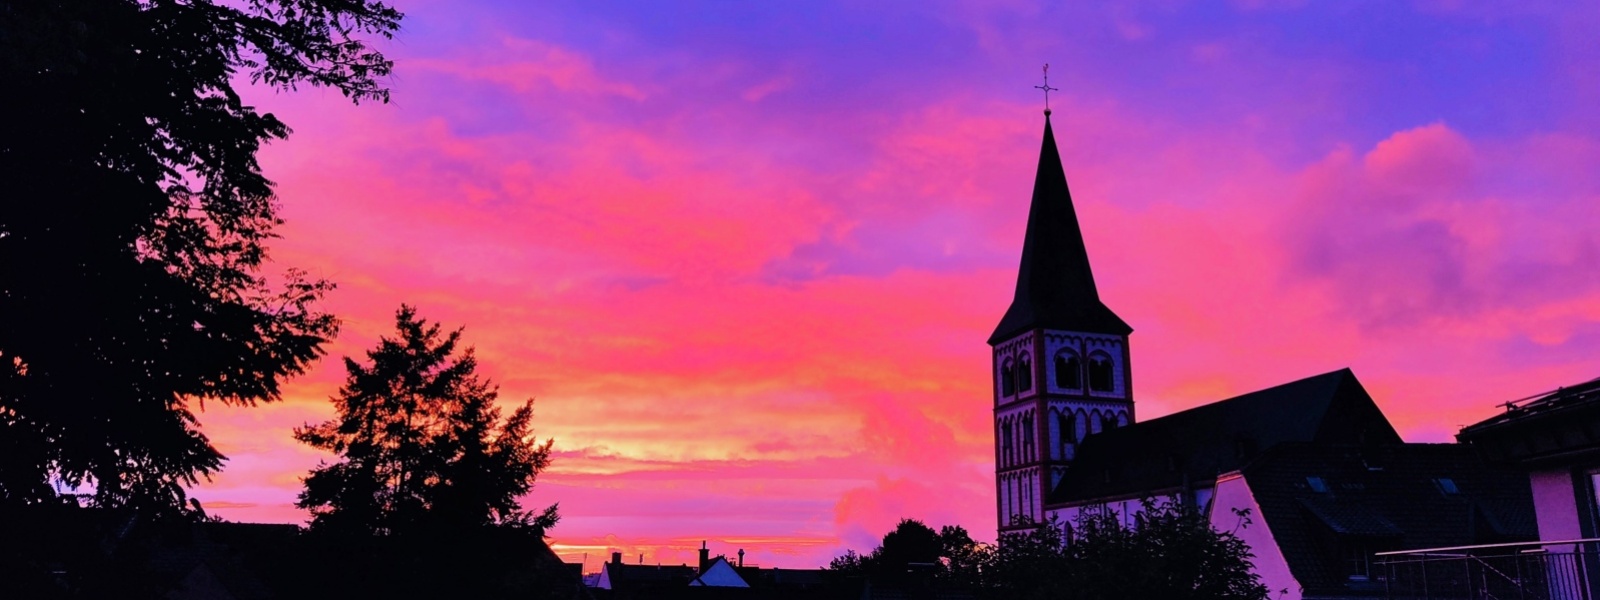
[(1060, 361)]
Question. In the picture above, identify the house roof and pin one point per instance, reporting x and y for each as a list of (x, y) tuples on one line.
[(1055, 287), (1194, 446), (719, 573), (1387, 497), (1554, 427), (622, 576)]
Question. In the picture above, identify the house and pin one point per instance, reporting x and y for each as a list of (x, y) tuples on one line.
[(620, 580), (1555, 439), (1552, 440), (1324, 478), (719, 578)]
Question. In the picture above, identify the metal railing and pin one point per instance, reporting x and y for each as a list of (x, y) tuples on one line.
[(1559, 570)]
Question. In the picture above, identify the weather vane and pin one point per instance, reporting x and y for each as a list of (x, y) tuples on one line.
[(1047, 89)]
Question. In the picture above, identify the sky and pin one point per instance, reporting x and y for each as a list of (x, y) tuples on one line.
[(745, 256)]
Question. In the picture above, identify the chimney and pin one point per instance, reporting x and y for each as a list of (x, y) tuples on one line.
[(705, 556), (616, 558)]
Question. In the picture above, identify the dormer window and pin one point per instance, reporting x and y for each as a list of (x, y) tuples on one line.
[(1008, 374), (1100, 372), (1069, 371), (1024, 374), (1447, 486)]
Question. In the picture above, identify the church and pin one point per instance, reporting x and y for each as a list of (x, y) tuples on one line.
[(1327, 480)]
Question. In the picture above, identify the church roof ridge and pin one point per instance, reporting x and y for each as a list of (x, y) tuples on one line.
[(1055, 285), (1201, 442)]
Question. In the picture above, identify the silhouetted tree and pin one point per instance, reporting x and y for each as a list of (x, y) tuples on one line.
[(914, 555), (133, 230), (421, 444), (1032, 565), (1166, 550)]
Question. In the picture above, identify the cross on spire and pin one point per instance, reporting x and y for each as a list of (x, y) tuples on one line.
[(1047, 89)]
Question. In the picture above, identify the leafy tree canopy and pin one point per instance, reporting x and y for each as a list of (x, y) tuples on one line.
[(914, 554), (134, 225), (1167, 550), (421, 444)]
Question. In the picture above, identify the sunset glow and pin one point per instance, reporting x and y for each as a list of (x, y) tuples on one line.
[(745, 256)]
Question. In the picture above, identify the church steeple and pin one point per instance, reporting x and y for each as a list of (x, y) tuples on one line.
[(1061, 364), (1055, 287)]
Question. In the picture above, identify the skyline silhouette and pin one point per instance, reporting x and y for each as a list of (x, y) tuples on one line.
[(747, 263)]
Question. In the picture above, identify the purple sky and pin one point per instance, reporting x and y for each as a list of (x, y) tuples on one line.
[(745, 255)]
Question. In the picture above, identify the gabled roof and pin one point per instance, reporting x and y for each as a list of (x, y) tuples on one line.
[(1381, 498), (1055, 288), (1194, 446), (622, 576), (719, 573)]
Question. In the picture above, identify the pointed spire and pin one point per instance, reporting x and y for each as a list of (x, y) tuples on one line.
[(1055, 288)]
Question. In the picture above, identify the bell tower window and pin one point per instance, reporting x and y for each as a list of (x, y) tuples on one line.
[(1100, 372), (1027, 437), (1005, 442), (1068, 433), (1008, 375), (1024, 374), (1069, 371)]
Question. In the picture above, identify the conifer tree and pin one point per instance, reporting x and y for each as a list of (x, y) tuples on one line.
[(421, 443)]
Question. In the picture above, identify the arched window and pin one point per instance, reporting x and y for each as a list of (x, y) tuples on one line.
[(1024, 374), (1068, 430), (1052, 429), (1100, 372), (1027, 436), (1008, 386), (1005, 443), (1110, 422), (1069, 371)]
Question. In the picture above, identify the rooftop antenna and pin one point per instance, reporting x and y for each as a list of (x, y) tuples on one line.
[(1047, 89)]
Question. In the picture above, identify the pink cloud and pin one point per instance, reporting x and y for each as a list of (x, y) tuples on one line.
[(529, 66)]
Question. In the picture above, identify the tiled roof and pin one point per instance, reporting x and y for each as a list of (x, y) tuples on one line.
[(1388, 497)]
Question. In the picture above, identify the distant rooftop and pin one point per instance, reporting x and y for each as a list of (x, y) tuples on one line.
[(1557, 425), (1563, 398)]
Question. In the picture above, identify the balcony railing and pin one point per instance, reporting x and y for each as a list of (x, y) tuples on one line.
[(1560, 570)]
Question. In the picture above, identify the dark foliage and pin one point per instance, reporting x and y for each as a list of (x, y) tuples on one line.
[(468, 562), (421, 444), (914, 558), (68, 552), (1165, 551), (133, 223)]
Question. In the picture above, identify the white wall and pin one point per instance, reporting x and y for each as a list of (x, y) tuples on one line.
[(1555, 507), (1233, 493)]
